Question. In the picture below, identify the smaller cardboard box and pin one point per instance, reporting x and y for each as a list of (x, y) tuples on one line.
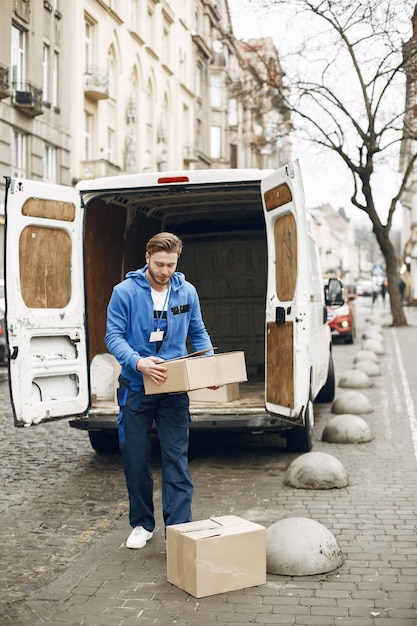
[(226, 393), (196, 372), (216, 555)]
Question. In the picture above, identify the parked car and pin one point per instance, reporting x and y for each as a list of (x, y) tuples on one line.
[(341, 316), (364, 288)]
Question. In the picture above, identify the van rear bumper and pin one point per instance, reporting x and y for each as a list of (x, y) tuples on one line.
[(248, 422)]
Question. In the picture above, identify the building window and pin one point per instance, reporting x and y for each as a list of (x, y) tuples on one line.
[(215, 142), (182, 66), (150, 25), (216, 91), (150, 140), (18, 55), (88, 136), (19, 155), (45, 72), (135, 15), (165, 45), (232, 112), (88, 44), (112, 89), (55, 74), (50, 164), (198, 81), (110, 147), (233, 155)]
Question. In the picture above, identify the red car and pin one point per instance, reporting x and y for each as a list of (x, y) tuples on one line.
[(341, 318)]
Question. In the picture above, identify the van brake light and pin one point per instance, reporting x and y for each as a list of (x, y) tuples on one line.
[(173, 179)]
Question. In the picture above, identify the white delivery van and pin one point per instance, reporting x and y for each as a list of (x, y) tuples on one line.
[(249, 249)]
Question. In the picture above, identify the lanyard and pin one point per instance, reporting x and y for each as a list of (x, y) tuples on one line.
[(158, 319)]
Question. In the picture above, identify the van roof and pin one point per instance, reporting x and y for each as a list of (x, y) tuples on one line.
[(154, 179)]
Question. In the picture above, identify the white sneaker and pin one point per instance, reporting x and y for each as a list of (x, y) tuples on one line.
[(138, 538)]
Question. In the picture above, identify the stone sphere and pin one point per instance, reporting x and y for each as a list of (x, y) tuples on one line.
[(346, 428), (376, 327), (374, 346), (368, 367), (352, 402), (366, 355), (316, 470), (299, 546), (355, 379), (373, 334)]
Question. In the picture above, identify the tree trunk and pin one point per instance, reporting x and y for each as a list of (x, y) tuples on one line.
[(391, 263)]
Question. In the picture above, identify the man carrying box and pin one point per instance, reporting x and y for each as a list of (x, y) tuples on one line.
[(149, 317)]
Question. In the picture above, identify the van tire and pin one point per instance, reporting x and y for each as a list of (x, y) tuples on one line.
[(104, 441), (327, 392), (300, 438)]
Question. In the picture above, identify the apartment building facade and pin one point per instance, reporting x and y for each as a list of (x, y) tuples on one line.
[(100, 87)]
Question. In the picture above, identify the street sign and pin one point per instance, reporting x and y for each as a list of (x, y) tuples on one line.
[(378, 270)]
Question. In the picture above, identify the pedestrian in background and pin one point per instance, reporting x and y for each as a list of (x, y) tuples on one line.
[(384, 289), (401, 287), (149, 317)]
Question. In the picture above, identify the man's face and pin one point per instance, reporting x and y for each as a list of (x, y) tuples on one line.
[(161, 266)]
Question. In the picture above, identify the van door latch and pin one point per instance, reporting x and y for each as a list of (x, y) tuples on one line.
[(280, 315)]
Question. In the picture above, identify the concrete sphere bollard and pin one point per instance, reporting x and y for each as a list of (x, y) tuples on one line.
[(376, 327), (347, 428), (352, 402), (373, 334), (355, 379), (298, 546), (366, 355), (374, 346), (316, 470), (368, 367)]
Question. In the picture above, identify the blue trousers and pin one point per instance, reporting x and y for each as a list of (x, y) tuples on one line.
[(170, 412)]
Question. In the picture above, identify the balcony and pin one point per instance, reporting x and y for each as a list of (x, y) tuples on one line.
[(188, 154), (4, 82), (99, 168), (27, 97), (96, 84)]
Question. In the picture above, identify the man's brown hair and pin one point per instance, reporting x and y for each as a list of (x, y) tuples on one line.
[(164, 242)]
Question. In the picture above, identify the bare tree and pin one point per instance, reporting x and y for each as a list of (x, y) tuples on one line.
[(347, 95)]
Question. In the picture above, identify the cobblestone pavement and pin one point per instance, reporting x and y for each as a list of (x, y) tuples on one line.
[(64, 561)]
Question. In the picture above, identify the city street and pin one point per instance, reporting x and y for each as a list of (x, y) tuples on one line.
[(63, 517)]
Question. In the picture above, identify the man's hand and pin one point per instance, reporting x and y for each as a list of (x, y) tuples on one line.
[(150, 366)]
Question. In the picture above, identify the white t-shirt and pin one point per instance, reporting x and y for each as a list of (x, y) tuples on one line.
[(158, 298)]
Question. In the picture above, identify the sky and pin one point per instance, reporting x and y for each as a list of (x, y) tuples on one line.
[(326, 179)]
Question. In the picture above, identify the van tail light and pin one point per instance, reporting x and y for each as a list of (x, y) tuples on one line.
[(172, 179)]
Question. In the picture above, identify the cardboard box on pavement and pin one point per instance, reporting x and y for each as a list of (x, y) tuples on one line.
[(216, 555), (196, 372)]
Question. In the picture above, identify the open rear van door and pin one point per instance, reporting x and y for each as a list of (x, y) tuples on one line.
[(45, 314), (286, 365)]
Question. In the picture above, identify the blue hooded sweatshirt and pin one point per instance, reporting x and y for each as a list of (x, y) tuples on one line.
[(130, 321)]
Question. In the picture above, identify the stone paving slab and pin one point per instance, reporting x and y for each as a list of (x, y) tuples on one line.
[(373, 521)]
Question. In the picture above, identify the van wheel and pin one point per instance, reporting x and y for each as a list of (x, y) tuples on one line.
[(300, 438), (104, 441), (326, 393)]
